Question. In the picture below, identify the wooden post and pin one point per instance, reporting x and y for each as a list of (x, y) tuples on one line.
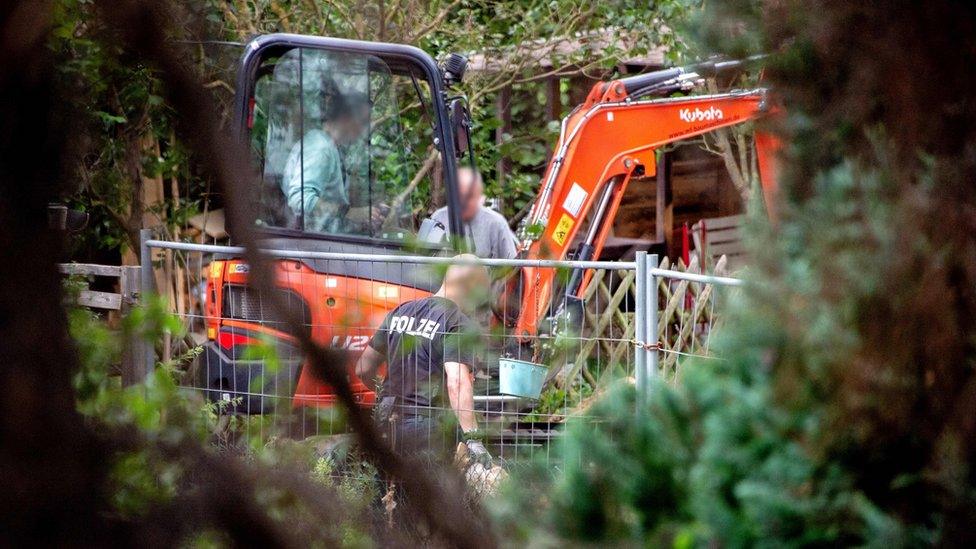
[(503, 110), (579, 88), (554, 99), (132, 349), (664, 204)]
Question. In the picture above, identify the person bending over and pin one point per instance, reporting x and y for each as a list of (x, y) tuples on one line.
[(429, 346)]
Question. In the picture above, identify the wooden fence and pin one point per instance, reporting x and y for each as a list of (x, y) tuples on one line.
[(685, 321), (132, 368)]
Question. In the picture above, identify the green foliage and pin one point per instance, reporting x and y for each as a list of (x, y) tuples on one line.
[(160, 415), (128, 135), (99, 393), (712, 459), (157, 408)]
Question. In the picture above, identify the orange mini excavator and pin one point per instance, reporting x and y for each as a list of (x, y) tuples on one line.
[(357, 143)]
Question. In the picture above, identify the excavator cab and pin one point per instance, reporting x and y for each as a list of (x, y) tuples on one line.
[(343, 133), (355, 149)]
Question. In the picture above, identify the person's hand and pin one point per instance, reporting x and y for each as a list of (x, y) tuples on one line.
[(357, 214), (378, 214), (478, 452), (364, 214), (322, 212)]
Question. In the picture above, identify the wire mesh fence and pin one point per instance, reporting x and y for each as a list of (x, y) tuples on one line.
[(517, 386)]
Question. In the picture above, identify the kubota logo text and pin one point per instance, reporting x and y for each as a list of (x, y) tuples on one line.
[(698, 115)]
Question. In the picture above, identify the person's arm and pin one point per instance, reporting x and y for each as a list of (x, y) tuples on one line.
[(302, 183), (460, 391), (375, 355), (366, 214), (328, 215), (369, 363)]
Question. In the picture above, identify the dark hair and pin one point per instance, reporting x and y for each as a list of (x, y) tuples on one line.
[(341, 105)]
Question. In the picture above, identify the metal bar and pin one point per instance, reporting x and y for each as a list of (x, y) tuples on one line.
[(640, 329), (650, 335), (145, 290), (596, 220), (496, 398), (393, 258), (694, 277)]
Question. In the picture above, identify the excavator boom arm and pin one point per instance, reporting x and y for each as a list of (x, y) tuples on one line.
[(603, 144)]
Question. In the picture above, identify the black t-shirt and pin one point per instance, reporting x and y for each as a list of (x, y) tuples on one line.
[(417, 338)]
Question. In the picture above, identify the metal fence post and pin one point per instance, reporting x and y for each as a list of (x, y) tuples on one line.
[(650, 336), (640, 329), (145, 290)]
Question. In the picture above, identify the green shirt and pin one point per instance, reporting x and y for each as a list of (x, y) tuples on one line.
[(313, 175)]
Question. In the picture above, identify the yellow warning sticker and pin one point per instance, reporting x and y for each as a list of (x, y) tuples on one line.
[(562, 229)]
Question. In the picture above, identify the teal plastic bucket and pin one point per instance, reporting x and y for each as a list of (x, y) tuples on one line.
[(520, 378)]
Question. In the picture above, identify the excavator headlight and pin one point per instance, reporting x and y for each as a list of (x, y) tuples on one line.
[(453, 68)]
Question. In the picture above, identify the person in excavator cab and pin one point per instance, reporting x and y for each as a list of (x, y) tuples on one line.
[(314, 182)]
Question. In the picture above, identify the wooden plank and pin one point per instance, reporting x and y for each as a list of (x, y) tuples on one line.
[(697, 165), (720, 267), (624, 325), (621, 349), (690, 192), (133, 350), (723, 237), (687, 328), (90, 269), (100, 300), (672, 305), (627, 320), (617, 313), (716, 223), (724, 234), (725, 248), (635, 206), (596, 336)]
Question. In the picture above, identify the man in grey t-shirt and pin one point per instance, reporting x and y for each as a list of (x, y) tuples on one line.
[(487, 228)]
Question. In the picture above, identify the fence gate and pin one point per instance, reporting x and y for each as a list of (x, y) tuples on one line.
[(134, 367)]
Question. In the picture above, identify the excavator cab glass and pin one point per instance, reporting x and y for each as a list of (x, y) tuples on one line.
[(347, 137)]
